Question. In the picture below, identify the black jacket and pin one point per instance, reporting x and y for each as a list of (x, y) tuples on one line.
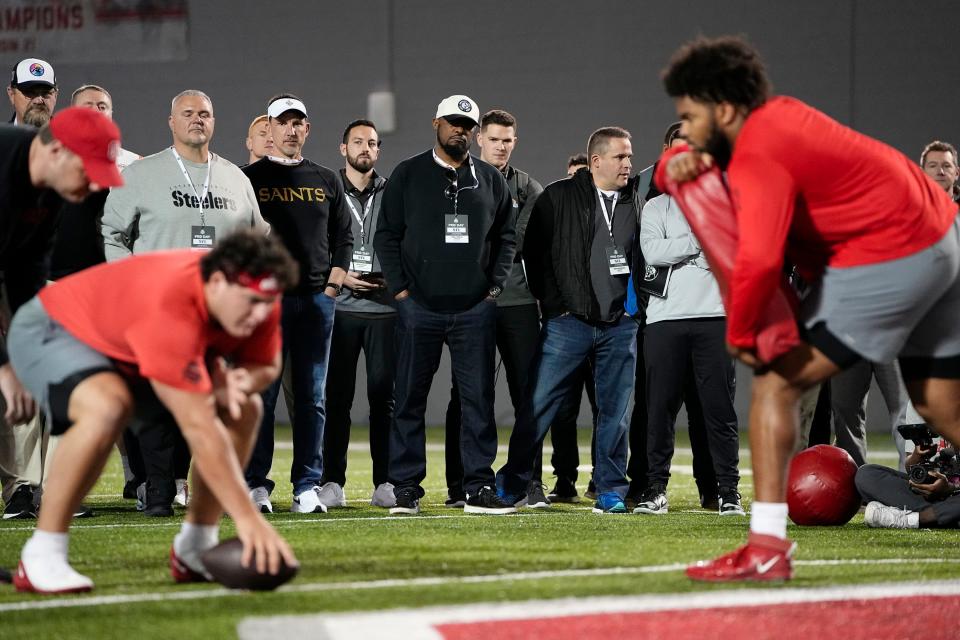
[(28, 221), (410, 238), (557, 244)]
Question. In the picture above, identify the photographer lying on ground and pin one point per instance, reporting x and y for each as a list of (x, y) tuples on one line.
[(928, 495)]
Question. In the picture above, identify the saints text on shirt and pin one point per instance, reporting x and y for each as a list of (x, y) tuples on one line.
[(291, 194)]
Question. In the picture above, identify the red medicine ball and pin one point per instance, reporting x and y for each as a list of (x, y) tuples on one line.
[(820, 487)]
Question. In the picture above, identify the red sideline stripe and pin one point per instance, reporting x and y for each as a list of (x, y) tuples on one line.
[(847, 619)]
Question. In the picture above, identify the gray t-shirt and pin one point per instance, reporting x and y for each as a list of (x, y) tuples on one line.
[(157, 208), (609, 290)]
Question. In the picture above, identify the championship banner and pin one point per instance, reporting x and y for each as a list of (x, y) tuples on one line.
[(82, 31)]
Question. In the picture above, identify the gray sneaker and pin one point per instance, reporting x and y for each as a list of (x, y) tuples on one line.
[(884, 517), (654, 501), (142, 496), (261, 498), (331, 495), (383, 496)]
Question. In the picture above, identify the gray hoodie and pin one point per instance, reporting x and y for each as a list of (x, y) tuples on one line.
[(666, 239)]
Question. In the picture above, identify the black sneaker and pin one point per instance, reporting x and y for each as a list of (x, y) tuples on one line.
[(730, 504), (535, 496), (456, 499), (631, 500), (408, 501), (130, 489), (564, 491), (591, 492), (84, 511), (487, 501), (159, 510), (21, 504), (710, 502)]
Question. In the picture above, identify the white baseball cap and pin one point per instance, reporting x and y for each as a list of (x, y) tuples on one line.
[(31, 72), (459, 106), (282, 105)]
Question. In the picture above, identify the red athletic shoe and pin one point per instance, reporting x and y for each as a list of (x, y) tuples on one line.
[(50, 578), (181, 572), (763, 559)]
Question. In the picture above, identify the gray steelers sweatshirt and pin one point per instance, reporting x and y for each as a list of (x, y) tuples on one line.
[(157, 208)]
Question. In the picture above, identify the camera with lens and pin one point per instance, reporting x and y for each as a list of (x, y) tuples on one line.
[(944, 461)]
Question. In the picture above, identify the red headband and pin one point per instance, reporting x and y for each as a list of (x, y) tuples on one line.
[(266, 283)]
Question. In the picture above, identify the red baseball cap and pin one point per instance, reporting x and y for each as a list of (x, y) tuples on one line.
[(95, 138)]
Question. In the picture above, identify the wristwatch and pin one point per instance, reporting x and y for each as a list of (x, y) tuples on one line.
[(495, 291), (338, 288)]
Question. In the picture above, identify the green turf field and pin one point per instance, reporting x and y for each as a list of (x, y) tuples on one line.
[(348, 555)]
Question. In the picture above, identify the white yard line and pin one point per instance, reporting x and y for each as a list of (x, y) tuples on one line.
[(419, 624), (37, 603)]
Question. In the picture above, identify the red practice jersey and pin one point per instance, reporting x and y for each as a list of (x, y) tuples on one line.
[(808, 188), (150, 311)]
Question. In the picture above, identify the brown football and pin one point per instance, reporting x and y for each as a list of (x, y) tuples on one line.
[(223, 563)]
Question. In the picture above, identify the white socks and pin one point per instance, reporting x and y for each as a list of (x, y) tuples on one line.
[(46, 544), (193, 540), (769, 519)]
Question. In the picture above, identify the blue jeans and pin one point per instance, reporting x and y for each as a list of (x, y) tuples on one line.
[(307, 325), (471, 337), (565, 344)]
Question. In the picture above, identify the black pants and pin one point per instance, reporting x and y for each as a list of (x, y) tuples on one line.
[(563, 431), (158, 455), (518, 330), (374, 335), (889, 487), (471, 337), (671, 349), (820, 428), (703, 473)]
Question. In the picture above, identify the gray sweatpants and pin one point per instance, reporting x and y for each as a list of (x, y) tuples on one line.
[(849, 403), (889, 486)]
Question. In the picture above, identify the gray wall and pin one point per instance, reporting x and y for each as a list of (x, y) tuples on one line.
[(563, 68)]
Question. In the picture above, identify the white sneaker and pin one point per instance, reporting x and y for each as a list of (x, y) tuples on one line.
[(383, 496), (331, 495), (308, 502), (183, 493), (261, 497), (882, 516), (49, 574)]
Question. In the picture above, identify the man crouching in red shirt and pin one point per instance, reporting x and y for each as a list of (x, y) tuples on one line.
[(877, 238), (194, 333)]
